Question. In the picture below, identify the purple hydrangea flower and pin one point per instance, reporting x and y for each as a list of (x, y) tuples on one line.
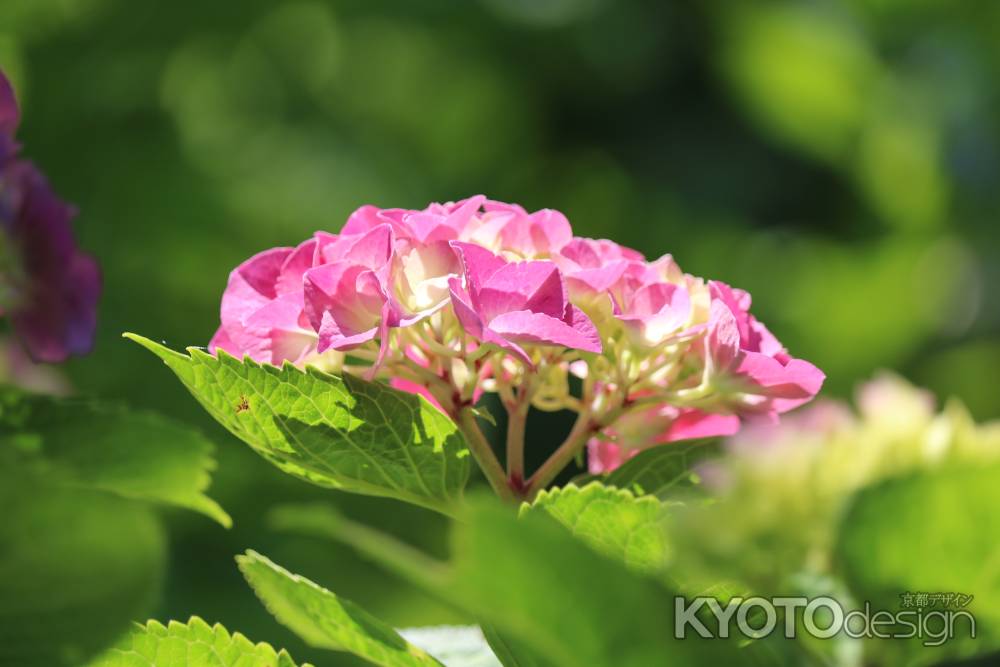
[(48, 288)]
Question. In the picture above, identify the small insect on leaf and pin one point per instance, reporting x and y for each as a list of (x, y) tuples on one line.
[(243, 405)]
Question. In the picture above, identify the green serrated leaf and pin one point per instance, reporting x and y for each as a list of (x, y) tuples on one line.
[(664, 471), (86, 444), (339, 432), (76, 567), (931, 532), (325, 621), (613, 521), (453, 645), (191, 644)]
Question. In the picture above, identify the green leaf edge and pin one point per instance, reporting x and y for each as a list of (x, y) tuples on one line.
[(550, 497), (206, 504), (251, 559), (201, 630)]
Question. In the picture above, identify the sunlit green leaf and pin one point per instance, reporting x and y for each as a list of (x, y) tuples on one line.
[(325, 621), (340, 432), (611, 520), (191, 644)]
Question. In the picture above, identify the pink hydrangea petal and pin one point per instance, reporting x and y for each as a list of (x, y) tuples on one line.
[(260, 272), (221, 341), (368, 217), (665, 268), (552, 230), (332, 247), (459, 216), (319, 286), (443, 222), (272, 334), (371, 248), (332, 339), (352, 314), (374, 248), (580, 256), (420, 278), (691, 424), (505, 343), (788, 385), (604, 457), (524, 326), (579, 321), (766, 343), (383, 337), (656, 313), (429, 228), (491, 205), (350, 295), (478, 264), (363, 219), (540, 233), (292, 345), (738, 303), (251, 286), (596, 280), (583, 253), (464, 310), (723, 338), (295, 266), (534, 286), (486, 230), (658, 297)]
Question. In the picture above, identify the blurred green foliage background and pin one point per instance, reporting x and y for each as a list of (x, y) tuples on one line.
[(840, 160)]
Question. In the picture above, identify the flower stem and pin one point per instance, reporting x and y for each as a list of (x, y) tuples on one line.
[(483, 453), (517, 418)]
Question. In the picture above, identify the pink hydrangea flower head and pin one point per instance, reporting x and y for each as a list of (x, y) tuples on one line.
[(476, 295)]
